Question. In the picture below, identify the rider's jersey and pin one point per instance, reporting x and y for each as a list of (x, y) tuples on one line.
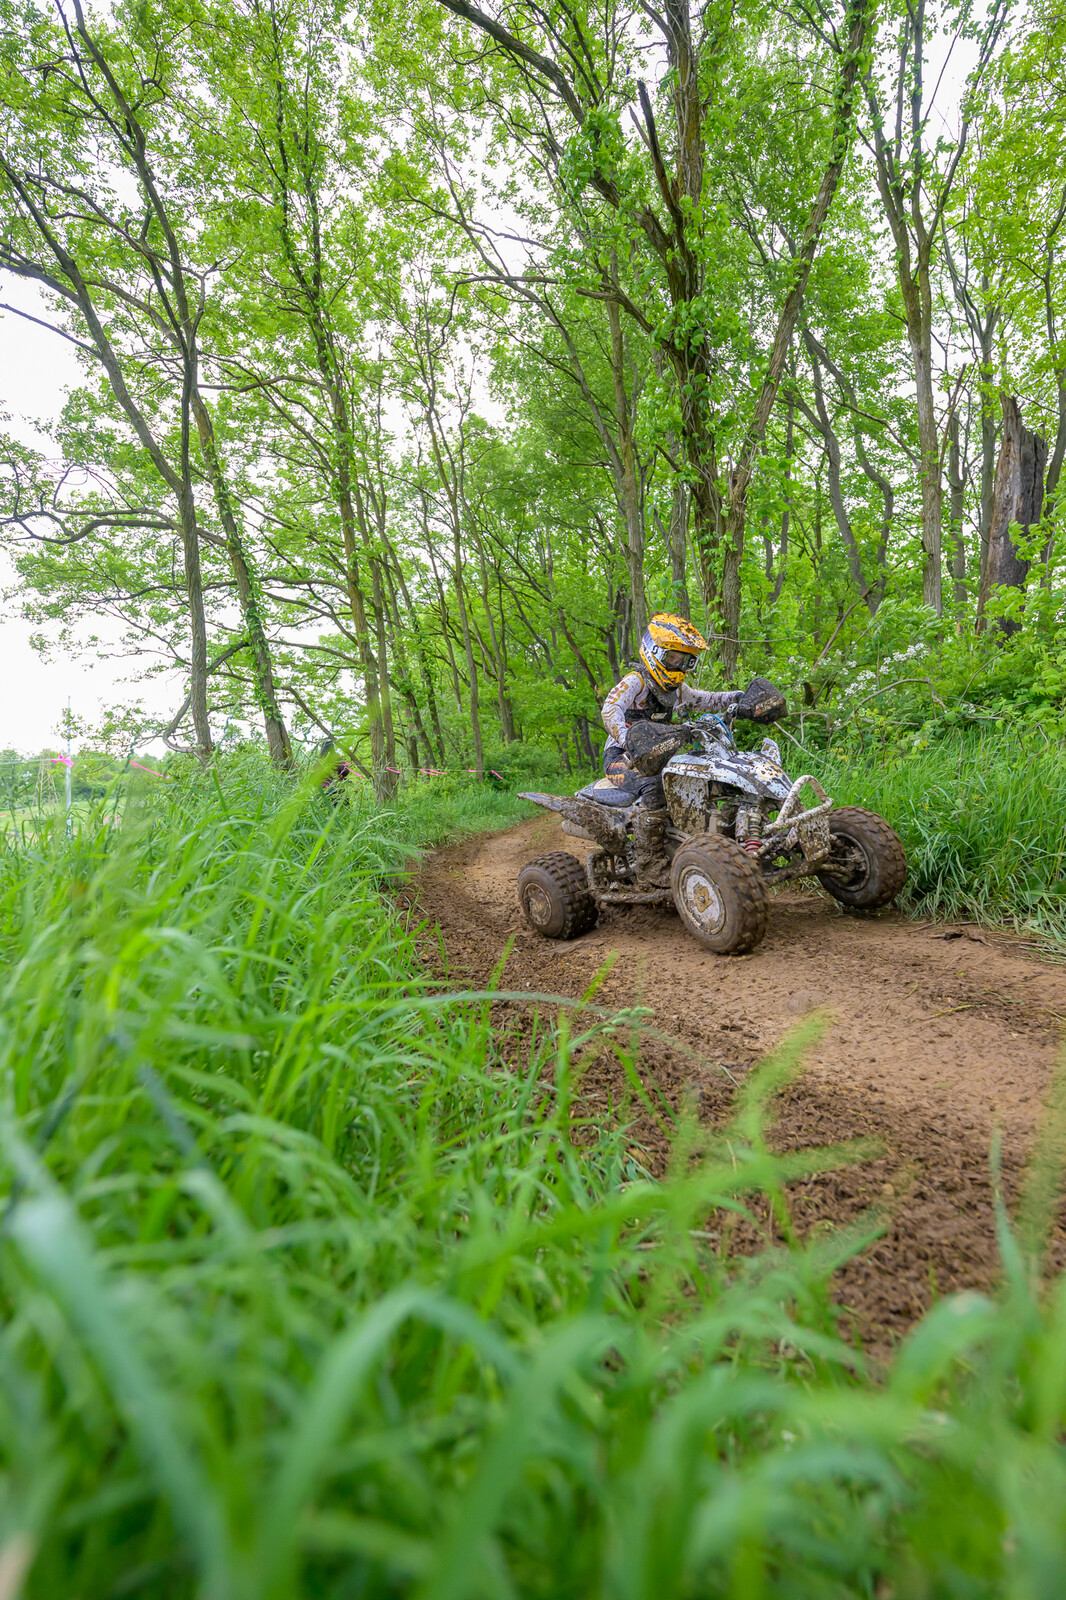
[(632, 700)]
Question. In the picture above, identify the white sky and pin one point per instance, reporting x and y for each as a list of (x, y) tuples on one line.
[(36, 369)]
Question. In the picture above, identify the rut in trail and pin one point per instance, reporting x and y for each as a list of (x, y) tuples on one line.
[(936, 1034)]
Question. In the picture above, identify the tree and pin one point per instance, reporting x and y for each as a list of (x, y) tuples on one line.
[(572, 80), (122, 269), (1017, 503), (915, 175)]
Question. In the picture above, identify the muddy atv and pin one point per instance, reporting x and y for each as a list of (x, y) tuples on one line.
[(707, 828)]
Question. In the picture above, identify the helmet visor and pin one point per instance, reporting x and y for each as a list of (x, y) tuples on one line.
[(677, 660)]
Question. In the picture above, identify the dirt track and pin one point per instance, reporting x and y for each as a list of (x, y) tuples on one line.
[(935, 1034)]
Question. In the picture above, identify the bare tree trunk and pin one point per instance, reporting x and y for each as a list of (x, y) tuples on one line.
[(1017, 502), (631, 496), (957, 502), (194, 591), (918, 305), (677, 546), (468, 646), (445, 619), (583, 740), (451, 487), (357, 602), (421, 652), (1054, 473), (989, 441), (786, 509), (390, 781), (982, 311), (499, 660), (247, 592), (821, 420), (410, 699)]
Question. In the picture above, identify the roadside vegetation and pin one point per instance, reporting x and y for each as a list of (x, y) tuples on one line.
[(983, 821), (315, 1282)]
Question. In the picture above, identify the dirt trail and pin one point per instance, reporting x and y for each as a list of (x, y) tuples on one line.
[(935, 1034)]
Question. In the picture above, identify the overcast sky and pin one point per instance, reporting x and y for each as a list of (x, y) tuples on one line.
[(36, 369)]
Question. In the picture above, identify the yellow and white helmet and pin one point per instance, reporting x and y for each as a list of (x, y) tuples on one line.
[(670, 648)]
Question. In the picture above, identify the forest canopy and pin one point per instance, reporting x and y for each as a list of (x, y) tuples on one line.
[(425, 351)]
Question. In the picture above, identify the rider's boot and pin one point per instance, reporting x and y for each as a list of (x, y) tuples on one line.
[(649, 849)]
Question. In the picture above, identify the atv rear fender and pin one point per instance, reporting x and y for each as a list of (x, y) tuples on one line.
[(607, 830)]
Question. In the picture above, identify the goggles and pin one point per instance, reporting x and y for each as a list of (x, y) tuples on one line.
[(677, 660)]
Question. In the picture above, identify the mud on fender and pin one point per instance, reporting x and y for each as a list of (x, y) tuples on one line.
[(606, 830)]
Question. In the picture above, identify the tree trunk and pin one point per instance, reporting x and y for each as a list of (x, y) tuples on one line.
[(919, 317), (583, 739), (957, 490), (357, 602), (389, 779), (468, 646), (1017, 502), (194, 590), (631, 496), (989, 440), (409, 696), (247, 592), (394, 567), (821, 419), (786, 509), (445, 619), (677, 543), (498, 653), (1054, 473)]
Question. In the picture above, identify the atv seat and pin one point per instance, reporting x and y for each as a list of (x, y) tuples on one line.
[(604, 793)]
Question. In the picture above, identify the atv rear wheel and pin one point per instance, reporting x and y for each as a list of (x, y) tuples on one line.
[(867, 864), (554, 895), (720, 895)]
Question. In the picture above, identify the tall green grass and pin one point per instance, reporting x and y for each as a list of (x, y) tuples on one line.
[(318, 1282), (983, 819)]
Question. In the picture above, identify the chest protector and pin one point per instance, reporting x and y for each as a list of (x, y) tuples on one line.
[(659, 706)]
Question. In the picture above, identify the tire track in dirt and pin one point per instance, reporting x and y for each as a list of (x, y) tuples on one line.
[(931, 1041)]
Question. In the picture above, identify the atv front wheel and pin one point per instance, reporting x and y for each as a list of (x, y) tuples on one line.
[(554, 895), (720, 895), (867, 865)]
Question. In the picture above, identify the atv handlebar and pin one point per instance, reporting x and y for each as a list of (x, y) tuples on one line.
[(712, 724)]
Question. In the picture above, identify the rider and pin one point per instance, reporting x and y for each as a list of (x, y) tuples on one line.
[(655, 689), (652, 692)]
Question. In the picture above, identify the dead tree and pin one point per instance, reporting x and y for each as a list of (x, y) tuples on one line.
[(1017, 506)]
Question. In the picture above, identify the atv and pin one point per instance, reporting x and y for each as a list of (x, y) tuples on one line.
[(708, 828)]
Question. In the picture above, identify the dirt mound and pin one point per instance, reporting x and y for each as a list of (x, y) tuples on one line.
[(936, 1034)]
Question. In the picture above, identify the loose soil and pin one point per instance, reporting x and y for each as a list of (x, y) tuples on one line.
[(934, 1035)]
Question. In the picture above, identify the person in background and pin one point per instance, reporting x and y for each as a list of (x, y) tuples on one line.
[(333, 782)]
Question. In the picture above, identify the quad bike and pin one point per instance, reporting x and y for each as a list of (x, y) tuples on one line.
[(708, 828)]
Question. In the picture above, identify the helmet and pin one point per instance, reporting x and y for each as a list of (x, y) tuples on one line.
[(670, 648)]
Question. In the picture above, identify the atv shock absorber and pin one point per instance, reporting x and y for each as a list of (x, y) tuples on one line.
[(748, 830)]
